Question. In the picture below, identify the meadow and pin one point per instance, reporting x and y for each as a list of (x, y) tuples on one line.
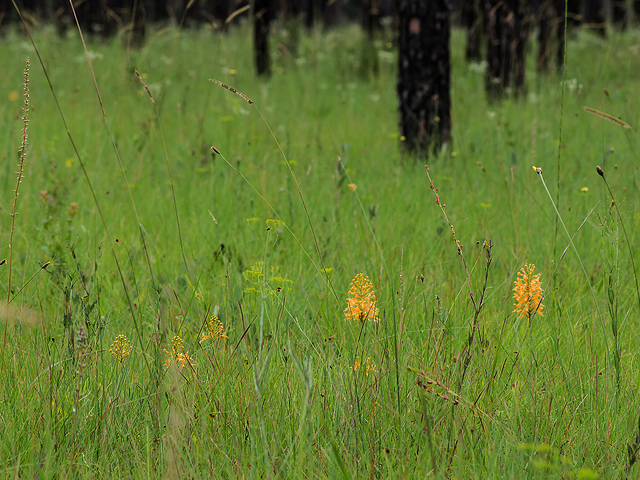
[(180, 262)]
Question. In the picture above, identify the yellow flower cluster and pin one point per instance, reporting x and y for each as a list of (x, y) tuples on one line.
[(181, 358), (528, 292), (120, 348), (370, 367), (213, 330), (362, 302)]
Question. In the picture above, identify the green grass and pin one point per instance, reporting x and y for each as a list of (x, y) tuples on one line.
[(278, 396)]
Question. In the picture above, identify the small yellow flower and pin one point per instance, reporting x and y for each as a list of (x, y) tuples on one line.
[(528, 292), (73, 209), (45, 197), (176, 345), (275, 225), (362, 304), (584, 189), (181, 358), (13, 95), (120, 348), (353, 187), (214, 330), (370, 367)]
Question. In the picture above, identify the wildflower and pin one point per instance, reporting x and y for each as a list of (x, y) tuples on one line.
[(362, 304), (120, 348), (181, 358), (176, 345), (214, 330), (370, 367), (353, 187), (73, 209), (528, 292), (13, 95), (275, 225)]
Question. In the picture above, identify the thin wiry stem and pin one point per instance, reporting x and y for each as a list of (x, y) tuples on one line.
[(166, 156), (584, 271), (20, 173), (624, 230), (564, 69)]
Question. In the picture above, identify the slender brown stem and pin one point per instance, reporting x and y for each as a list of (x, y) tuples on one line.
[(20, 173)]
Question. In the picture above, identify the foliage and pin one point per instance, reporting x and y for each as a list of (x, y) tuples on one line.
[(218, 347)]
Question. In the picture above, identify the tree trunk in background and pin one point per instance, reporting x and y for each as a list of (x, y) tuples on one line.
[(261, 20), (521, 24), (561, 32), (619, 13), (138, 18), (369, 63), (424, 77), (472, 19), (594, 16), (292, 20), (574, 15), (546, 18), (507, 29)]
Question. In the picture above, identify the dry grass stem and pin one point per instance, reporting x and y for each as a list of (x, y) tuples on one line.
[(232, 90), (606, 116), (145, 86)]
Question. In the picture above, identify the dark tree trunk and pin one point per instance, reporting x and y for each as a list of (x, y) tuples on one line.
[(424, 77), (561, 32), (369, 63), (292, 22), (507, 29), (371, 17), (472, 20), (521, 23), (594, 16), (138, 18), (546, 18), (620, 18), (574, 15), (261, 21)]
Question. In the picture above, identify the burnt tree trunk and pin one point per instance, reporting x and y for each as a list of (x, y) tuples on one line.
[(369, 63), (546, 18), (561, 32), (620, 14), (424, 77), (594, 16), (261, 21), (507, 28), (472, 20), (292, 22), (574, 15), (521, 23)]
